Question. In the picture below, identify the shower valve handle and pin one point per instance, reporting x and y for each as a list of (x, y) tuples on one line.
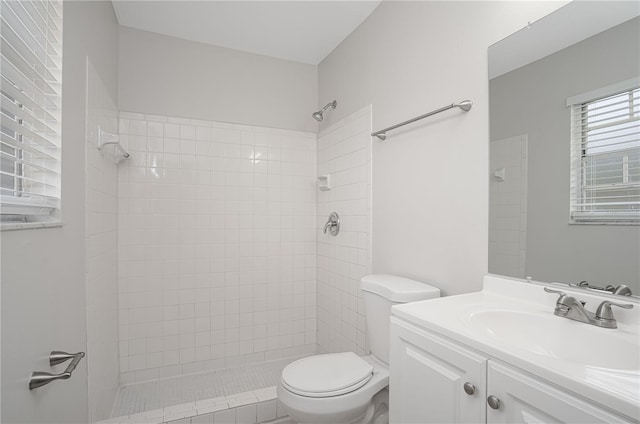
[(333, 224)]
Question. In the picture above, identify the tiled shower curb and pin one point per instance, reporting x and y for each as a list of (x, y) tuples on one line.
[(255, 406)]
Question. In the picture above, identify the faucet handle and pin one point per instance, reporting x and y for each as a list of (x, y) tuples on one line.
[(622, 290), (333, 224), (604, 310), (561, 295), (548, 290), (563, 303)]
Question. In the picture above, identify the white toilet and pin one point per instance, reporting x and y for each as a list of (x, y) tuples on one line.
[(341, 388)]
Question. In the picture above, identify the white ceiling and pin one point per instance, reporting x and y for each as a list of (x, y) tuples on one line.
[(566, 26), (301, 31)]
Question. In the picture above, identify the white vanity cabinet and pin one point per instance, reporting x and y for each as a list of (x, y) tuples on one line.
[(428, 377), (427, 381)]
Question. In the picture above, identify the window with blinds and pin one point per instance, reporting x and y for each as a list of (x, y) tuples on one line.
[(605, 159), (30, 89)]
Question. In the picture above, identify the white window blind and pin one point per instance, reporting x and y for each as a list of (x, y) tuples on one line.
[(30, 90), (605, 159)]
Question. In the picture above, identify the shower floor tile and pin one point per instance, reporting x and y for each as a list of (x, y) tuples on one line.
[(150, 395)]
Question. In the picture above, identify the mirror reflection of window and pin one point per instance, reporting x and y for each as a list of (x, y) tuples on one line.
[(606, 178)]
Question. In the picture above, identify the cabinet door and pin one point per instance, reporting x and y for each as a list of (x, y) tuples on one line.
[(427, 377), (525, 399)]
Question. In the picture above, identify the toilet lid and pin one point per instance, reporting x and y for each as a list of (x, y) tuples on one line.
[(327, 375)]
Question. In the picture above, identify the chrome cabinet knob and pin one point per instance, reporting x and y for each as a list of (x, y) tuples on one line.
[(494, 402), (469, 388)]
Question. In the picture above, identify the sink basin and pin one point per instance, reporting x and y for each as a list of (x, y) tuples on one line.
[(560, 338), (513, 322)]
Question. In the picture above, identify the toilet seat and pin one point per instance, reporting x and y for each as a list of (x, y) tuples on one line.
[(326, 375), (344, 408)]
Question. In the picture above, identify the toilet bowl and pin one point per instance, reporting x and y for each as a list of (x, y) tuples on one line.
[(327, 395), (343, 388)]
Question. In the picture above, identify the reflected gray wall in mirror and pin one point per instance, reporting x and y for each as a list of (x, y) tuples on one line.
[(529, 230)]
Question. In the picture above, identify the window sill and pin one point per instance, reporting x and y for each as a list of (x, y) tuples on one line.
[(11, 226), (603, 223)]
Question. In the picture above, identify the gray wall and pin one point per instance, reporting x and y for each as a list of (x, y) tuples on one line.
[(169, 76), (43, 270), (430, 185), (557, 251)]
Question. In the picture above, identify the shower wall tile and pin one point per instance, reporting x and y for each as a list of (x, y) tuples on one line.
[(101, 243), (508, 207), (216, 245), (344, 152)]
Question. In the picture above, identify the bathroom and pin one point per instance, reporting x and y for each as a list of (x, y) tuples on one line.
[(197, 267)]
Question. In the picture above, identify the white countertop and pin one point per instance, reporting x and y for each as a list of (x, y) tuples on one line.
[(593, 375)]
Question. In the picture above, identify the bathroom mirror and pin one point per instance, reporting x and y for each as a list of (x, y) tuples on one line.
[(581, 52)]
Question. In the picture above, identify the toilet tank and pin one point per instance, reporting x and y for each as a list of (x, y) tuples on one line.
[(380, 292)]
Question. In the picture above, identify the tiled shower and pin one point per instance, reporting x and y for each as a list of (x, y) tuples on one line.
[(344, 152), (224, 273), (216, 245)]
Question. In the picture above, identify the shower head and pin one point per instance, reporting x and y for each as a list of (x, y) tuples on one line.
[(318, 115)]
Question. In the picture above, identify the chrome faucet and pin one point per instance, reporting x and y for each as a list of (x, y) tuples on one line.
[(571, 308), (620, 289)]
